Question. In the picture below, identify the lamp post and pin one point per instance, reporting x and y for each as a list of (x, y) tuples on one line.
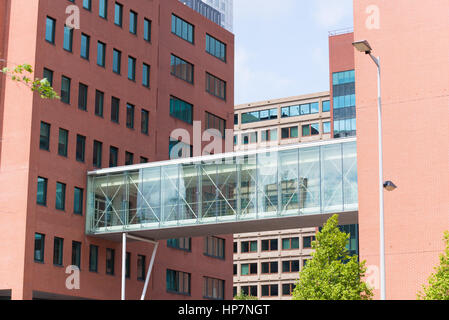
[(364, 46)]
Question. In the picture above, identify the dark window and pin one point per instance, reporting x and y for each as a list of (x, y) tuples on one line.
[(80, 147), (236, 247), (87, 4), (248, 269), (215, 47), (182, 29), (307, 242), (63, 142), (85, 46), (270, 245), (116, 61), (311, 129), (115, 111), (235, 270), (290, 243), (270, 290), (68, 38), (130, 116), (287, 289), (213, 288), (113, 157), (180, 243), (141, 267), (65, 89), (214, 247), (214, 122), (118, 15), (48, 74), (58, 249), (131, 68), (256, 116), (82, 97), (248, 246), (93, 258), (97, 154), (146, 75), (60, 195), (50, 30), (178, 282), (39, 246), (78, 201), (110, 259), (41, 197), (143, 160), (103, 9), (181, 110), (215, 86), (76, 254), (290, 266), (289, 133), (44, 142), (181, 69), (133, 22), (129, 158), (270, 267), (101, 54), (147, 30), (99, 103), (145, 115)]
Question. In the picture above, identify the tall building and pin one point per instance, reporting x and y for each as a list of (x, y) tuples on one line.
[(266, 264), (226, 8), (130, 75), (415, 75)]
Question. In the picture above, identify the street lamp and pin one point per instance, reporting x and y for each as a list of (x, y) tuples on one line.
[(364, 46)]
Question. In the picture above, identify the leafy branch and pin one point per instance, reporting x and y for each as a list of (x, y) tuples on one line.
[(22, 73)]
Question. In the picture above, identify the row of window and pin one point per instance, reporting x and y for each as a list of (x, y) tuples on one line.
[(186, 31), (267, 290), (272, 244), (286, 133), (58, 256), (80, 149), (118, 16), (290, 111), (83, 93), (101, 53), (180, 283), (288, 266), (60, 197), (185, 70), (213, 247)]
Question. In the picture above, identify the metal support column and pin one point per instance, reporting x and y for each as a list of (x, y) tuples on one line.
[(150, 268), (123, 296)]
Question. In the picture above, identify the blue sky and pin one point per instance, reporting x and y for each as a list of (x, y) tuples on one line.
[(281, 46)]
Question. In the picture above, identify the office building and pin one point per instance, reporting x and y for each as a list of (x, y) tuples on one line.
[(226, 9), (131, 74), (267, 264)]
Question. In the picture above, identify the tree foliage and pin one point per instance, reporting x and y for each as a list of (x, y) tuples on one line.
[(22, 73), (332, 274), (438, 286), (243, 296)]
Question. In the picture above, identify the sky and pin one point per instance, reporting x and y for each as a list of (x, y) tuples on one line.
[(281, 46)]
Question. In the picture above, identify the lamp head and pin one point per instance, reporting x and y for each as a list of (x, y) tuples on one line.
[(363, 46), (390, 186)]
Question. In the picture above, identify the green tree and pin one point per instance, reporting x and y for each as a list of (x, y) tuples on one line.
[(438, 287), (243, 296), (22, 73), (332, 274)]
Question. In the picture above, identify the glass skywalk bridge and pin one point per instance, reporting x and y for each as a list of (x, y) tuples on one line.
[(287, 187)]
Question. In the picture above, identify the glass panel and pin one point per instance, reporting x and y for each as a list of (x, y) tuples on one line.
[(248, 196), (350, 189), (170, 194), (267, 196), (288, 180), (331, 172), (309, 180)]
